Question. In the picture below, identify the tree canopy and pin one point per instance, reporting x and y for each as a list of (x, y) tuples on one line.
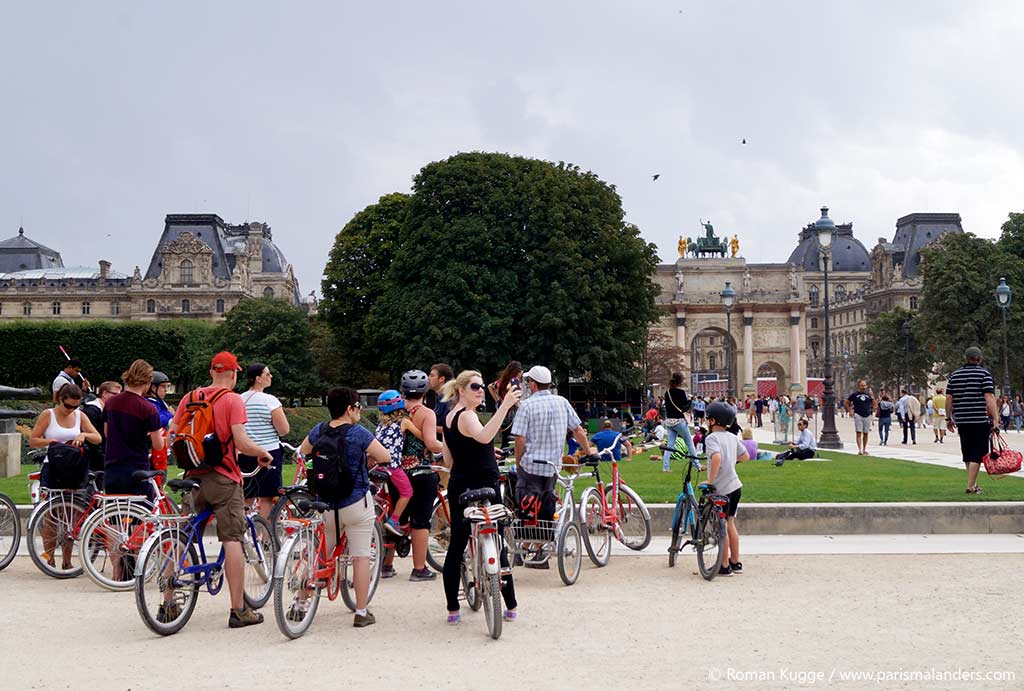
[(497, 257), (892, 357)]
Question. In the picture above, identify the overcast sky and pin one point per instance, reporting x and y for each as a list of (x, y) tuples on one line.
[(300, 114)]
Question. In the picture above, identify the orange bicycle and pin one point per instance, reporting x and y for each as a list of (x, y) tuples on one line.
[(612, 509)]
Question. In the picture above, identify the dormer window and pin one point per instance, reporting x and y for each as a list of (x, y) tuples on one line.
[(185, 272)]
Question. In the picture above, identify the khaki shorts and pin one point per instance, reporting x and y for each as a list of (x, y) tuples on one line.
[(939, 422), (356, 521), (223, 496)]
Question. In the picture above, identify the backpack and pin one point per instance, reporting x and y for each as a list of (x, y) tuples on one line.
[(196, 444), (65, 468), (329, 475)]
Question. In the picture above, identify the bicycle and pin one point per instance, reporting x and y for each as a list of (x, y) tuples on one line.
[(612, 509), (481, 569), (172, 565), (56, 522), (286, 507), (304, 569), (703, 519), (10, 531), (114, 531)]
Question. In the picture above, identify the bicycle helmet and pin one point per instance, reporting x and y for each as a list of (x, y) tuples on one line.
[(390, 401), (159, 378), (414, 381), (722, 413)]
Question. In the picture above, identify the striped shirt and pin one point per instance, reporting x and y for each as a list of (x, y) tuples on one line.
[(543, 420), (260, 427), (968, 386)]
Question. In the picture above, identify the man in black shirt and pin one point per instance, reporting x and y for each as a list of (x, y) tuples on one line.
[(861, 402), (972, 412)]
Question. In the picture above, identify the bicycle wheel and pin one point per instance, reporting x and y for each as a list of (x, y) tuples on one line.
[(296, 596), (440, 533), (634, 518), (258, 548), (10, 531), (490, 588), (469, 585), (348, 588), (596, 537), (286, 508), (678, 521), (52, 531), (710, 541), (164, 594), (110, 541), (569, 547)]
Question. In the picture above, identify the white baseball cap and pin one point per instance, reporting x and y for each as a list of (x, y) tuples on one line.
[(539, 374)]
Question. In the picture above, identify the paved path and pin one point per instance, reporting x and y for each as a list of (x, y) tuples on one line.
[(635, 624)]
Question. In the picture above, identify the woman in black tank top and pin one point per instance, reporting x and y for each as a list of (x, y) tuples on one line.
[(469, 451)]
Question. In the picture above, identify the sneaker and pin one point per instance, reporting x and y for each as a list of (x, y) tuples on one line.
[(542, 565), (736, 566), (387, 572), (454, 618), (362, 620), (724, 571), (391, 525), (510, 615), (246, 616), (168, 612), (424, 575), (297, 612)]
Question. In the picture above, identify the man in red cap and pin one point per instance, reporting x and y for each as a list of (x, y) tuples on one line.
[(220, 487)]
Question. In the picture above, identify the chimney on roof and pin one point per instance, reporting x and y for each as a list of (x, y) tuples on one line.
[(104, 268)]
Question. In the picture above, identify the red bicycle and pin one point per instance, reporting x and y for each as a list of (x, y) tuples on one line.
[(612, 509), (440, 517)]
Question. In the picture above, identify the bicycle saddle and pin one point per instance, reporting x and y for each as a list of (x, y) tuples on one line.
[(706, 487), (305, 506), (591, 460), (181, 485), (142, 475), (379, 475), (473, 495)]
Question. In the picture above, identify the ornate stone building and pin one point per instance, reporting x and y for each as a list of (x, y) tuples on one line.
[(200, 269)]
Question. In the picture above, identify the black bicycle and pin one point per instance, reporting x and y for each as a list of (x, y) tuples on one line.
[(702, 518)]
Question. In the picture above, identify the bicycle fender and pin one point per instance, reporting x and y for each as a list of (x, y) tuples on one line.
[(146, 548), (280, 567), (489, 555)]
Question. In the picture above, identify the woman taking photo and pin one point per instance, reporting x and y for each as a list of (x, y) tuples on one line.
[(676, 405), (266, 425), (513, 372), (469, 452)]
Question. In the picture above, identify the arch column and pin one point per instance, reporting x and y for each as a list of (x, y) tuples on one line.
[(748, 351), (681, 331), (796, 378)]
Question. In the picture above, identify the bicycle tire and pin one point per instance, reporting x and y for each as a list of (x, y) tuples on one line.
[(678, 519), (259, 561), (348, 590), (633, 515), (440, 533), (112, 527), (490, 592), (596, 537), (469, 585), (162, 553), (569, 546), (66, 512), (710, 532), (298, 551), (285, 508), (10, 531)]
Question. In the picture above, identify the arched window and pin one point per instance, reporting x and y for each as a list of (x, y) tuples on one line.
[(220, 306), (812, 295), (86, 307), (185, 272), (913, 303), (186, 306), (840, 292), (150, 306), (268, 292), (26, 309), (56, 308), (814, 322)]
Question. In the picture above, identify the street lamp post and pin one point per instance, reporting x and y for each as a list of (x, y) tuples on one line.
[(728, 296), (905, 332), (829, 435), (1003, 297)]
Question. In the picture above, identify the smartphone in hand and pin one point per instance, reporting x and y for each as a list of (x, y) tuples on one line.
[(516, 383)]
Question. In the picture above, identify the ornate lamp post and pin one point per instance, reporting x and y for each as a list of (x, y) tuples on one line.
[(905, 332), (1003, 297), (829, 435), (728, 300)]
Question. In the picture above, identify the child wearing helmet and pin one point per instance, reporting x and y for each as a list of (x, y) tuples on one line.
[(724, 451), (391, 434), (157, 395)]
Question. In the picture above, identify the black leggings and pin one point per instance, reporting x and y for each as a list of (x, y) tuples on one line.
[(460, 534)]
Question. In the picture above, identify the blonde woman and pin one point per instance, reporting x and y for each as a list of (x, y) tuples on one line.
[(469, 452)]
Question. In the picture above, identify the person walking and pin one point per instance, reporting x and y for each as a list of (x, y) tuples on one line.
[(861, 404), (885, 408), (1017, 410), (759, 405), (912, 417), (971, 410), (939, 426), (1004, 413), (676, 405), (266, 425)]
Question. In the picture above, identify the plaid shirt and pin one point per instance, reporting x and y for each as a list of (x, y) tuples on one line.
[(543, 420)]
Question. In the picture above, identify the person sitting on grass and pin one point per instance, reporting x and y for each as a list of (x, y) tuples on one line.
[(724, 452), (608, 438), (804, 447), (748, 442)]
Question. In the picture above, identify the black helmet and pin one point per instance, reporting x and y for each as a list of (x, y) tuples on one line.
[(414, 381), (159, 378), (722, 413)]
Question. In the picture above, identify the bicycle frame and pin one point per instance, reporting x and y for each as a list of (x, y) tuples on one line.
[(325, 568), (690, 520), (610, 509)]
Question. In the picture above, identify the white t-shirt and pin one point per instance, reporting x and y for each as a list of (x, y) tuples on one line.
[(60, 381), (260, 427), (659, 433), (729, 446)]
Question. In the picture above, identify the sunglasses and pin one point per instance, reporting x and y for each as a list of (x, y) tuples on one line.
[(69, 406), (476, 387)]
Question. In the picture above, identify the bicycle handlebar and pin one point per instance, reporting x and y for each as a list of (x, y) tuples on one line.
[(258, 469)]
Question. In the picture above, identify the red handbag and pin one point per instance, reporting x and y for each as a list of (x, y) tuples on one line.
[(1001, 459)]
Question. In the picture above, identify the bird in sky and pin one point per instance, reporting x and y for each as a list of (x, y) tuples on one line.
[(655, 176), (744, 141)]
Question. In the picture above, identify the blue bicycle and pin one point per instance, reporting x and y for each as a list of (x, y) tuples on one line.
[(173, 565), (703, 519)]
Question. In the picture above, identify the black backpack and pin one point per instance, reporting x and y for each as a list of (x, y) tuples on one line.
[(330, 477), (66, 467)]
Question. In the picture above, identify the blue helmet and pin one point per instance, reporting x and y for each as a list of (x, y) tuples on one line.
[(390, 401)]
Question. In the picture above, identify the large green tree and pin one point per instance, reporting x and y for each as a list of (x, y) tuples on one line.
[(277, 334), (894, 352), (503, 257)]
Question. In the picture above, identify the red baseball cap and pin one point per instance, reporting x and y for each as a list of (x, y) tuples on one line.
[(225, 361)]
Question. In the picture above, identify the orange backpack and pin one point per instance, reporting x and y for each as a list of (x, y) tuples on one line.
[(196, 444)]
